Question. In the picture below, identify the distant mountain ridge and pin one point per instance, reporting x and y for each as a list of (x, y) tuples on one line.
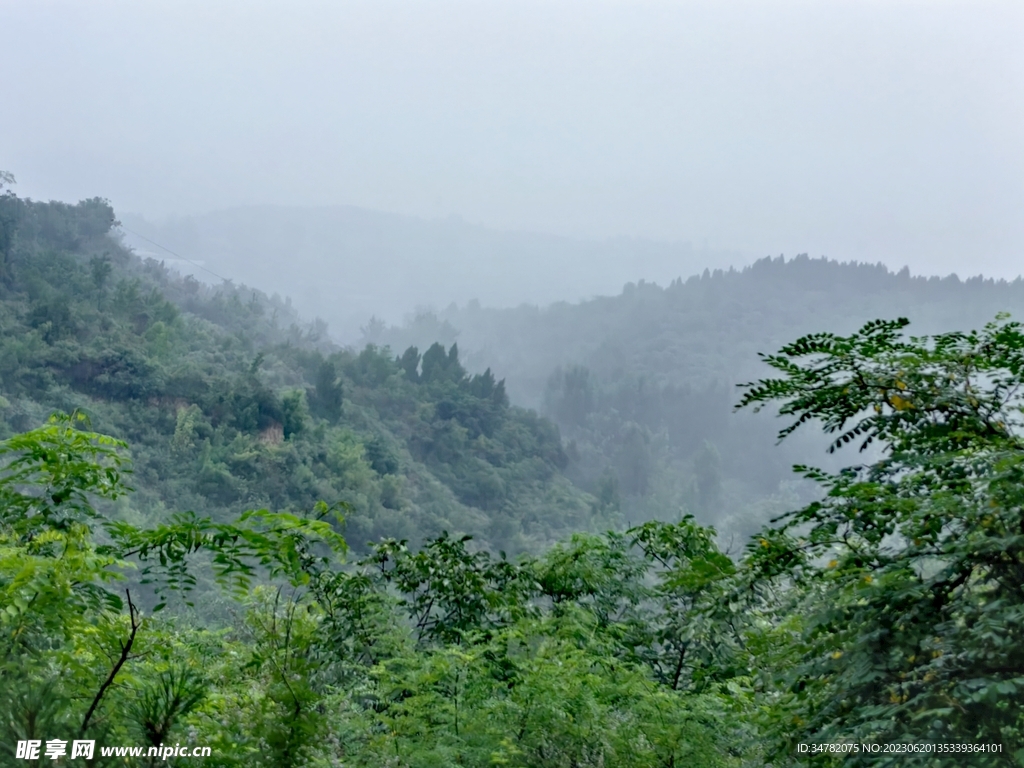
[(642, 383), (705, 327), (347, 264)]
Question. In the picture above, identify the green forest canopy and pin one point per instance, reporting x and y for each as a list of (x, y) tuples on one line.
[(889, 612)]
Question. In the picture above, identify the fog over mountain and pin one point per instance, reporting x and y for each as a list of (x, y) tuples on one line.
[(857, 130), (347, 265)]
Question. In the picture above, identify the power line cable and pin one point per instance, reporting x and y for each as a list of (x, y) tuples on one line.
[(176, 255)]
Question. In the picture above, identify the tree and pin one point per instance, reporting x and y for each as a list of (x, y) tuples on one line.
[(293, 412), (70, 646), (570, 396), (911, 568), (410, 363), (440, 366), (327, 393), (10, 212), (707, 466)]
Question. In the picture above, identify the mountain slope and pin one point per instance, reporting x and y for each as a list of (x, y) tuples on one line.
[(230, 403), (642, 383)]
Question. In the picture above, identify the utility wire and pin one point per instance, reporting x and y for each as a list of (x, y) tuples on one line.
[(176, 255)]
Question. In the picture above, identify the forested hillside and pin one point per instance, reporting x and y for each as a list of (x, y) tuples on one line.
[(229, 402), (643, 384), (879, 625)]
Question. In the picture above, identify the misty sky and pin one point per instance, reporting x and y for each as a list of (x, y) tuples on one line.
[(886, 131)]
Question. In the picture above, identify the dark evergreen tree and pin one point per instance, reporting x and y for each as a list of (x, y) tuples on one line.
[(327, 392)]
